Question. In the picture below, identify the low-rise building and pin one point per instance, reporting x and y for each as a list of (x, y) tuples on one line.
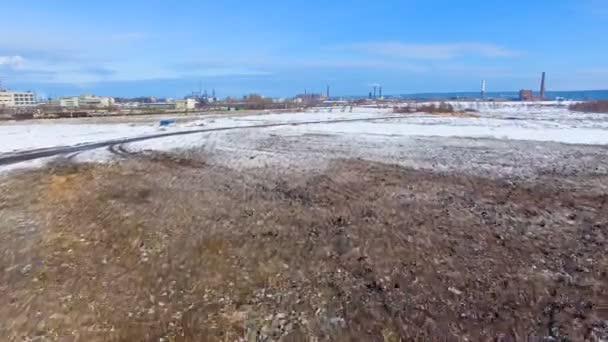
[(17, 98), (71, 102), (86, 100), (95, 101), (186, 104)]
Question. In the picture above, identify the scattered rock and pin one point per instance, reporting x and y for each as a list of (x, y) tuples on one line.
[(455, 291), (26, 269)]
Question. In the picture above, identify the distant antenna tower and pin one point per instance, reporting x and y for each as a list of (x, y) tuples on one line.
[(542, 87), (483, 89)]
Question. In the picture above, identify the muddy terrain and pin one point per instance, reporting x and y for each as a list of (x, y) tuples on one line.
[(160, 247)]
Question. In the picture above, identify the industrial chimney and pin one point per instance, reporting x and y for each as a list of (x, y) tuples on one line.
[(542, 87)]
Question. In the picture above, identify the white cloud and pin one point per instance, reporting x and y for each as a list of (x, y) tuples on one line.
[(12, 61), (229, 71), (272, 63), (434, 50), (356, 63)]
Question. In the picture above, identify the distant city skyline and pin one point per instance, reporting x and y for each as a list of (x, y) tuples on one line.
[(279, 48)]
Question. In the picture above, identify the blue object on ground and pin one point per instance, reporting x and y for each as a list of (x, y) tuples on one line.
[(167, 122)]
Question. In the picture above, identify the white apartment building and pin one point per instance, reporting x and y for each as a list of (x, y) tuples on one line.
[(84, 101), (17, 98), (65, 101)]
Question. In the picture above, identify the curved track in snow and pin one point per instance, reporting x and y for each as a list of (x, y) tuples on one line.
[(20, 156)]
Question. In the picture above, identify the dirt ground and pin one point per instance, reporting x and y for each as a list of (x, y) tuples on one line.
[(165, 248)]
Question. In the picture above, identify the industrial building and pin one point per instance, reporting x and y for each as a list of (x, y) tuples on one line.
[(526, 95), (309, 98), (17, 99)]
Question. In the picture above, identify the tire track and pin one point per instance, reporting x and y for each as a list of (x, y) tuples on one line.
[(120, 150), (12, 158)]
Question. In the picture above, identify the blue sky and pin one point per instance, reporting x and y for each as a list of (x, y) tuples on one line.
[(279, 48)]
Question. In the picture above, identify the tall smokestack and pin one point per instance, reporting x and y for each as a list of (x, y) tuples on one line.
[(542, 87), (483, 89)]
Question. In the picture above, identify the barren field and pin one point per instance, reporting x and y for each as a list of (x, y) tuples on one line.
[(163, 247), (335, 232)]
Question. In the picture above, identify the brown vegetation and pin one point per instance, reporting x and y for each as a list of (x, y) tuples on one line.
[(161, 248), (600, 106), (442, 108)]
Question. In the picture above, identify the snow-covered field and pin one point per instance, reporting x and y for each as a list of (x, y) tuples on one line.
[(382, 139), (16, 137), (40, 135)]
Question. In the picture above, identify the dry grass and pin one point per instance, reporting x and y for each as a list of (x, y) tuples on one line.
[(591, 107), (158, 247), (444, 109)]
